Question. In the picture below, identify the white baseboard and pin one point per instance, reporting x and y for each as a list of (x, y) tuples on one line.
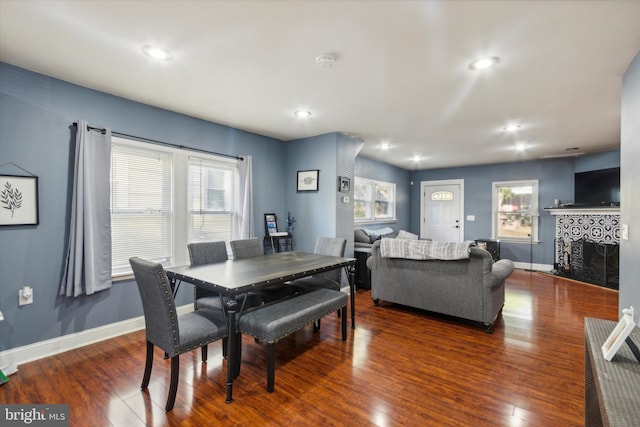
[(545, 268), (38, 350)]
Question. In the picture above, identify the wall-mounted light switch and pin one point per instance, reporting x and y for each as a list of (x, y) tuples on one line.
[(624, 231), (471, 217)]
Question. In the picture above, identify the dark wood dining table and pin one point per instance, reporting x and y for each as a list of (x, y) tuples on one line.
[(237, 277)]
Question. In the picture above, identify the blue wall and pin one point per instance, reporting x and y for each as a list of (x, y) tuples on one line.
[(315, 212), (36, 113), (555, 181), (606, 160), (373, 169)]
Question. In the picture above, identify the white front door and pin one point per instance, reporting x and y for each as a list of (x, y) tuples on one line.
[(442, 210)]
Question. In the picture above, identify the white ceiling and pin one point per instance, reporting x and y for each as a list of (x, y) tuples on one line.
[(401, 75)]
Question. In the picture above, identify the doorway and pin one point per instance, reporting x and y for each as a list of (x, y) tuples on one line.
[(442, 210)]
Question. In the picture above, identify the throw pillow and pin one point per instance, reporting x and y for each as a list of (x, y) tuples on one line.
[(405, 235), (359, 235)]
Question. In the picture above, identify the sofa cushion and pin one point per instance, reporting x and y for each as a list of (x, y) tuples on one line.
[(361, 236), (405, 235), (377, 234)]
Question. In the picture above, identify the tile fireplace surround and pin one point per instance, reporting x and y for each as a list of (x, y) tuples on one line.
[(575, 226)]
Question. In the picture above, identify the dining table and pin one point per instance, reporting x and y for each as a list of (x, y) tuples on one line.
[(238, 277)]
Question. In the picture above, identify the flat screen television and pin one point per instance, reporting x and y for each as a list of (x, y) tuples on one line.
[(598, 187)]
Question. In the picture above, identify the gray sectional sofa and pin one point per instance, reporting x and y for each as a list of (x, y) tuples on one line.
[(471, 288), (363, 238)]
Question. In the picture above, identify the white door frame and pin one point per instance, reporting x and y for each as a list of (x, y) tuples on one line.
[(423, 188)]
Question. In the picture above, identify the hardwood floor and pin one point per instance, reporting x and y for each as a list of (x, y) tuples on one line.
[(399, 367)]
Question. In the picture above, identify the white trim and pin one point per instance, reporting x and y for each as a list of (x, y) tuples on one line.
[(423, 187), (373, 219), (542, 268), (534, 213), (46, 348), (584, 211)]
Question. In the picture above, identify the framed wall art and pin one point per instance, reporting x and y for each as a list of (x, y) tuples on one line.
[(344, 184), (18, 200), (308, 180), (270, 224), (619, 334)]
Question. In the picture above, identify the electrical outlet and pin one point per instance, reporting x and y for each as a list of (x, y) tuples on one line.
[(25, 295)]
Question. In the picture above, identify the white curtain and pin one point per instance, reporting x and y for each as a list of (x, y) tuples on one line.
[(245, 170), (88, 264)]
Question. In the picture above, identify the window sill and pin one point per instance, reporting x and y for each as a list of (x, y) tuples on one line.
[(379, 221), (122, 277), (524, 242)]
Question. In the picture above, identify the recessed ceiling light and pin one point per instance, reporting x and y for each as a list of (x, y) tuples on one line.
[(521, 146), (156, 53), (385, 146), (325, 61), (484, 63), (512, 128), (417, 158), (302, 114)]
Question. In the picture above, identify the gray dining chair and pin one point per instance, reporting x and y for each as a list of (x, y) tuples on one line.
[(246, 248), (329, 279), (201, 253), (249, 248), (173, 333)]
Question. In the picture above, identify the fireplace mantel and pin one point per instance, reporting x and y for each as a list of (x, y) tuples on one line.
[(609, 210)]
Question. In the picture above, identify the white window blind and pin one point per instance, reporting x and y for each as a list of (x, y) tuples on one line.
[(164, 198), (212, 202), (141, 206)]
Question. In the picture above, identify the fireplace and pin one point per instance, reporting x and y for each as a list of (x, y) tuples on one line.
[(586, 245), (588, 261)]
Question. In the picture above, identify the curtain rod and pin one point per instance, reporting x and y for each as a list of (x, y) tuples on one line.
[(153, 141)]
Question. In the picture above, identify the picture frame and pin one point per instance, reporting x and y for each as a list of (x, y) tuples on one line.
[(344, 184), (18, 200), (619, 334), (307, 180), (270, 224)]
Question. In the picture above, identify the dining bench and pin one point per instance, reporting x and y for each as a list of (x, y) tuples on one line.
[(271, 322)]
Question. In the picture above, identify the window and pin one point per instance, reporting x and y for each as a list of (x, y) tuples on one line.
[(163, 198), (374, 201), (515, 211), (211, 200)]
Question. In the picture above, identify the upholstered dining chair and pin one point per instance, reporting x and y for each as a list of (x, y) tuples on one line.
[(329, 279), (201, 253), (246, 248), (173, 333), (249, 248)]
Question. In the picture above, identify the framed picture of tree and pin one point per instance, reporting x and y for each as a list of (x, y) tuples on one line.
[(18, 200)]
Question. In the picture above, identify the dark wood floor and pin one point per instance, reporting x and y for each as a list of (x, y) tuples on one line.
[(399, 367)]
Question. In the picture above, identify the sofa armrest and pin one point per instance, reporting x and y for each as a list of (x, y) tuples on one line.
[(372, 261), (500, 270)]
